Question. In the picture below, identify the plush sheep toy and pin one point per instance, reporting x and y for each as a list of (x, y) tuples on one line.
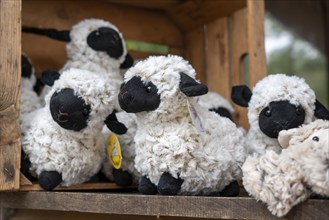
[(95, 45), (29, 98), (282, 181), (64, 140), (127, 174), (217, 103), (173, 154), (277, 102)]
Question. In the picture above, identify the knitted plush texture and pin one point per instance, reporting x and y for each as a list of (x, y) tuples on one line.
[(275, 88), (167, 140), (282, 181), (76, 155), (127, 148), (81, 56), (30, 101)]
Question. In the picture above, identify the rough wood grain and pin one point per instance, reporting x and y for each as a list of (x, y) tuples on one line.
[(195, 51), (179, 206), (239, 48), (218, 58), (135, 23), (80, 187), (10, 73), (257, 57), (24, 181)]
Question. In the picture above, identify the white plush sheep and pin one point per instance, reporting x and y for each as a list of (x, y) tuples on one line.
[(30, 101), (174, 155), (95, 45), (282, 181), (64, 141), (277, 102), (127, 174)]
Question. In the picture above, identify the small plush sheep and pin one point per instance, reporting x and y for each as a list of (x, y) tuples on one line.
[(30, 101), (64, 141), (178, 152), (127, 174), (278, 102), (282, 181), (95, 45), (217, 103)]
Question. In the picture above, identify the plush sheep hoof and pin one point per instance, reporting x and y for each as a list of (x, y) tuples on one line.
[(146, 187), (231, 190), (122, 178), (49, 179), (168, 185)]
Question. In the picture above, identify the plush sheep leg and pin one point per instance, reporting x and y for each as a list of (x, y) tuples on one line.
[(231, 190), (146, 187), (122, 178), (168, 185), (49, 179)]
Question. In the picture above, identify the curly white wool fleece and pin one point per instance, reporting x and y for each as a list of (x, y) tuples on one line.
[(167, 141), (275, 88), (30, 101), (76, 155), (282, 181), (214, 100), (127, 147), (81, 56)]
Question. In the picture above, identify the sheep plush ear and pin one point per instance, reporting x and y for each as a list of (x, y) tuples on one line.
[(285, 136), (49, 77), (190, 87), (241, 95), (129, 62), (52, 33), (114, 125), (320, 111)]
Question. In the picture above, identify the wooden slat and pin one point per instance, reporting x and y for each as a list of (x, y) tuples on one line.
[(80, 187), (10, 73), (135, 24), (179, 206), (257, 57), (24, 181), (195, 51), (191, 14), (239, 44), (217, 57), (150, 4)]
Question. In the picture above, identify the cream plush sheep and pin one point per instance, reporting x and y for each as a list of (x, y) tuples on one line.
[(63, 140), (282, 181), (174, 154), (30, 101), (95, 45), (277, 102)]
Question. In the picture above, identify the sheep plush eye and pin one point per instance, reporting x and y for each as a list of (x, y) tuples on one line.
[(298, 110), (315, 138), (97, 33), (85, 111), (268, 112), (149, 89)]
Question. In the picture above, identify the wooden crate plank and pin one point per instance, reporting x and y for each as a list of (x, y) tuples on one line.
[(24, 181), (178, 206), (10, 74), (195, 51), (217, 57), (80, 187), (135, 24), (257, 56), (239, 44), (191, 14)]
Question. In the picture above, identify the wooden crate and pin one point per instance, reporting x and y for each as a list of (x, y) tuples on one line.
[(213, 35)]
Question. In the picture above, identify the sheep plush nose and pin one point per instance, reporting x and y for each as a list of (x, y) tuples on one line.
[(62, 116)]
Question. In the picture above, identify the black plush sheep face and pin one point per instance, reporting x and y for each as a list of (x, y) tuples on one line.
[(107, 40), (26, 67), (137, 96), (68, 110), (280, 115)]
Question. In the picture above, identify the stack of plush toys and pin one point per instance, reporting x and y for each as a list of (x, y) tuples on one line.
[(175, 137)]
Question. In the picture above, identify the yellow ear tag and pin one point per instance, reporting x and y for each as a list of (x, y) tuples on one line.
[(114, 151)]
